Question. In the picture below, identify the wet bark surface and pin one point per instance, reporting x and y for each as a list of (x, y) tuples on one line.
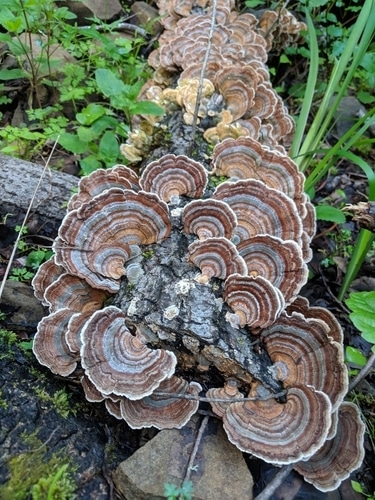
[(163, 300)]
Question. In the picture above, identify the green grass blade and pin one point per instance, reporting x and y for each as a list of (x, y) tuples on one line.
[(310, 89), (365, 237), (355, 47), (362, 246), (343, 144)]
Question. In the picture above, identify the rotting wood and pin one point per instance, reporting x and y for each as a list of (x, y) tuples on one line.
[(18, 180)]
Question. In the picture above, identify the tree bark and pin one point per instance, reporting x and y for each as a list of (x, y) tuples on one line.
[(18, 182)]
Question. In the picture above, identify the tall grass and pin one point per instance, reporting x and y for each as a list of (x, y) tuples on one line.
[(306, 146)]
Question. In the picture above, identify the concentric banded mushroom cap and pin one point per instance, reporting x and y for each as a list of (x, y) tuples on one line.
[(117, 362), (340, 456), (209, 218), (303, 353), (260, 210), (237, 85), (229, 391), (280, 433), (280, 262), (74, 293), (94, 240), (264, 102), (173, 176), (246, 158), (216, 257), (50, 347), (254, 301), (162, 412), (101, 180), (47, 273), (333, 327)]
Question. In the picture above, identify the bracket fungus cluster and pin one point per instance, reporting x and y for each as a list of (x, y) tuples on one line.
[(160, 283)]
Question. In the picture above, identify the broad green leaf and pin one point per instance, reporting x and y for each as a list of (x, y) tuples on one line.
[(108, 147), (86, 134), (89, 164), (365, 97), (73, 143), (363, 316), (355, 357), (357, 487), (35, 258), (90, 114), (12, 74), (108, 82), (332, 214), (147, 108)]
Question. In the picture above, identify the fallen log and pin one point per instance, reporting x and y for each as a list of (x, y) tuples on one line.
[(19, 180)]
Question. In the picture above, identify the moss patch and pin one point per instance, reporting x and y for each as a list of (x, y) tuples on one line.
[(36, 475)]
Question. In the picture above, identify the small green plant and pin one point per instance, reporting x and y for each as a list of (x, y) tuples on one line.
[(184, 492), (357, 487), (97, 128), (362, 305), (34, 476), (60, 401)]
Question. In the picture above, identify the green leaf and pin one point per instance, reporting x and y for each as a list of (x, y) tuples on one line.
[(363, 316), (365, 97), (73, 143), (147, 108), (355, 357), (90, 164), (108, 147), (90, 114), (12, 74), (35, 258), (328, 213), (108, 83), (357, 487)]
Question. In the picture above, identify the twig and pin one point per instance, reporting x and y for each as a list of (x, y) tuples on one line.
[(11, 258), (363, 372), (277, 481), (200, 86), (218, 400), (195, 449), (119, 27)]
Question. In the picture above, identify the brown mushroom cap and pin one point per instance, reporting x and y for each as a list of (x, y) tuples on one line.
[(74, 293), (216, 257), (101, 180), (172, 176), (280, 433), (340, 456), (229, 391), (303, 353), (280, 262), (260, 210), (209, 218), (254, 301), (333, 327), (50, 347), (94, 240), (246, 158), (117, 362), (47, 273), (162, 412), (237, 85)]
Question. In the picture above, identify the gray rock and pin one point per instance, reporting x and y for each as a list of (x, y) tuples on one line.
[(219, 470), (23, 311), (104, 10)]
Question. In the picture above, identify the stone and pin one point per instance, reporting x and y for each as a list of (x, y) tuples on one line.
[(22, 309), (105, 10), (219, 469)]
